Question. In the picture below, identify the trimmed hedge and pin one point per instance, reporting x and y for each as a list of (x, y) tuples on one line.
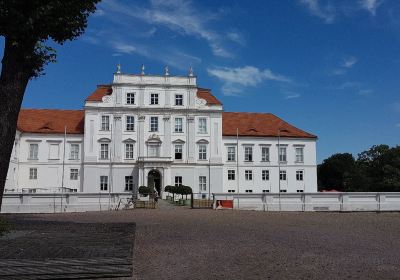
[(144, 190), (182, 190)]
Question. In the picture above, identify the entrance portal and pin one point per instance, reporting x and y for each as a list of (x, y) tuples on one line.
[(154, 181)]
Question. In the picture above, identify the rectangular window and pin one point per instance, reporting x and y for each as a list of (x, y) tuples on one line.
[(299, 175), (283, 190), (73, 175), (130, 123), (248, 174), (202, 183), (153, 124), (282, 154), (178, 151), (300, 190), (32, 173), (130, 98), (202, 125), (33, 151), (153, 150), (105, 122), (128, 183), (299, 154), (231, 154), (264, 153), (74, 151), (178, 181), (249, 191), (154, 99), (265, 175), (264, 191), (231, 175), (248, 153), (179, 100), (231, 191), (202, 152), (103, 151), (129, 150), (54, 151), (103, 183), (178, 125), (282, 175)]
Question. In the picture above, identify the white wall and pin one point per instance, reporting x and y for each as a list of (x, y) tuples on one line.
[(49, 169), (309, 166), (357, 201)]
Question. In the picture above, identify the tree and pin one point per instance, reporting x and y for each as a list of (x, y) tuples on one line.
[(26, 27), (333, 171)]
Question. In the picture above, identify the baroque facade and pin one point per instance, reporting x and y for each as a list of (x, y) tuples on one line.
[(156, 131)]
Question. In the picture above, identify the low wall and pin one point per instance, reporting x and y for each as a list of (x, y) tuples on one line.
[(58, 202), (324, 201)]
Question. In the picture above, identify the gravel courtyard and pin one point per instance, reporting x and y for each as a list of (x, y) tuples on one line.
[(180, 243)]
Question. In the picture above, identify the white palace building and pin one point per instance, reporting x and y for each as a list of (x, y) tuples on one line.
[(158, 130)]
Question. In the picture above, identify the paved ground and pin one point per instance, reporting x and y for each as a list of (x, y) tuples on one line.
[(36, 249), (178, 243)]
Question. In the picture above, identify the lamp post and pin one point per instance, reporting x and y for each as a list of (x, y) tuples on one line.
[(279, 167), (279, 163)]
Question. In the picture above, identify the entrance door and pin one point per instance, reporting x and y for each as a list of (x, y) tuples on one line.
[(154, 180)]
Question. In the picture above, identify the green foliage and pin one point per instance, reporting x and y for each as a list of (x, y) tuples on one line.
[(377, 169), (168, 188), (4, 227), (27, 25), (144, 190)]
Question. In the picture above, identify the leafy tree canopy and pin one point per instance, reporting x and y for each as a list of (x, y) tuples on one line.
[(27, 25), (377, 169)]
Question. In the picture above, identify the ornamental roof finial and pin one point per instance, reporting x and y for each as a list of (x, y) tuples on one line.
[(142, 72), (119, 68), (166, 71), (191, 71)]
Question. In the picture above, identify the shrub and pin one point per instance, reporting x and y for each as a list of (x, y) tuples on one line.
[(144, 190), (168, 188)]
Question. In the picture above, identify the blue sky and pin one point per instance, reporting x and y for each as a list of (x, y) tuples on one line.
[(329, 67)]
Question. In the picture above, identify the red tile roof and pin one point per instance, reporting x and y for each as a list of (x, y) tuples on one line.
[(259, 125), (99, 93), (249, 124), (206, 94), (103, 90), (51, 121)]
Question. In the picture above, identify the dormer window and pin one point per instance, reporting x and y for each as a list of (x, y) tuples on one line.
[(130, 98), (154, 99)]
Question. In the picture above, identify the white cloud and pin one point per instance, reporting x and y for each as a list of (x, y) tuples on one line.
[(370, 5), (177, 15), (397, 125), (236, 37), (365, 92), (327, 12), (235, 79), (292, 96), (349, 62), (121, 47), (345, 65), (170, 57)]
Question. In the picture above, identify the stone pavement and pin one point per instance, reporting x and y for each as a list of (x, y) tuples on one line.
[(37, 249), (181, 243)]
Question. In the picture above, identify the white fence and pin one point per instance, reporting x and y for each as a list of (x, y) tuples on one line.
[(61, 202), (324, 201)]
